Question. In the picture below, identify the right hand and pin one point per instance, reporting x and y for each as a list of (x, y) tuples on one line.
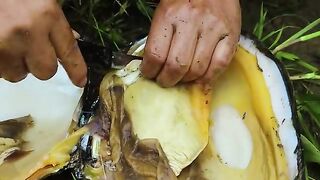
[(33, 34), (191, 40)]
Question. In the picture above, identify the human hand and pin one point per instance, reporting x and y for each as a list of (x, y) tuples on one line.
[(191, 40), (33, 34)]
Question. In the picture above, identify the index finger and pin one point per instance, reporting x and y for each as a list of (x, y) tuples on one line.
[(158, 45), (68, 51)]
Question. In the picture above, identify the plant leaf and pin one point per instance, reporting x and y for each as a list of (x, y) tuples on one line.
[(258, 29), (282, 55), (303, 31), (275, 32), (96, 24), (305, 129), (145, 9), (312, 102), (277, 39), (286, 55), (123, 7), (310, 76), (311, 153), (310, 36), (297, 35)]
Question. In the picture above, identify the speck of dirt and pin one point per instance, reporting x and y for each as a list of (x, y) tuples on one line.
[(220, 159), (244, 115), (259, 68), (75, 64), (177, 60)]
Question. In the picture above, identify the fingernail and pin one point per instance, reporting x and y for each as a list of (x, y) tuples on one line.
[(76, 34)]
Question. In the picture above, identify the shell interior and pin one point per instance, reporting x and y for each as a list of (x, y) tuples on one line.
[(51, 105)]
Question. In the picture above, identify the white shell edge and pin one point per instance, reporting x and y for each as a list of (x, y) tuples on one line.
[(280, 104)]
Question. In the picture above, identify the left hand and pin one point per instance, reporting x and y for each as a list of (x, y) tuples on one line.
[(191, 40)]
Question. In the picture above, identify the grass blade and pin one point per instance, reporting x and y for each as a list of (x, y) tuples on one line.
[(144, 9), (123, 7), (96, 24), (282, 55), (258, 29), (311, 103), (296, 36), (296, 16), (303, 31), (305, 129), (275, 32), (311, 153), (307, 76), (310, 36), (277, 39)]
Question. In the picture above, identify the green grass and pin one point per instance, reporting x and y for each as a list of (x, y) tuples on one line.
[(110, 21)]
